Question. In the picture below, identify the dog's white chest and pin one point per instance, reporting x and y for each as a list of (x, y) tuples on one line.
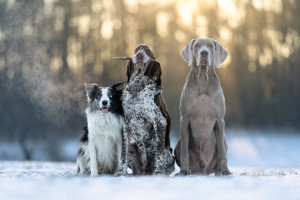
[(105, 135), (104, 125)]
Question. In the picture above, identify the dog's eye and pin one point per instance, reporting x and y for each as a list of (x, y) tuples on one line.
[(98, 97), (211, 46), (197, 45), (110, 95)]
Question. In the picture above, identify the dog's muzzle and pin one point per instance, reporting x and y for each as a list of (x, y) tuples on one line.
[(140, 58), (104, 108), (204, 58)]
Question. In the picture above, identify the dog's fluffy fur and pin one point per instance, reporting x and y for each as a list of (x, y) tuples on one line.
[(147, 123), (101, 151)]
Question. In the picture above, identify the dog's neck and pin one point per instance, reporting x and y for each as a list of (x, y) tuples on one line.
[(203, 72), (203, 76), (139, 68)]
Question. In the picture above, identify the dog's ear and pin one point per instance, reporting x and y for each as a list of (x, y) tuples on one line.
[(130, 69), (119, 86), (220, 54), (154, 71), (187, 52), (91, 90)]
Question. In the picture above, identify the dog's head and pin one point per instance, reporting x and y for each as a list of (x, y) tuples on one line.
[(105, 99), (143, 61), (204, 52), (142, 55)]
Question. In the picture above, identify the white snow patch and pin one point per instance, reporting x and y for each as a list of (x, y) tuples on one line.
[(263, 167), (48, 181)]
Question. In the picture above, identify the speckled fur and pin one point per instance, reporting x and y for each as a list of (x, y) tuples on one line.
[(145, 127), (141, 116)]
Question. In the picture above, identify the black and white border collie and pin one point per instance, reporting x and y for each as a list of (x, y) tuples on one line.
[(102, 141)]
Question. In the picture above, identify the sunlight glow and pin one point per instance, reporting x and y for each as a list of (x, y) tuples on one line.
[(185, 9), (235, 13), (131, 39), (132, 5), (108, 5), (83, 24), (74, 57), (282, 46), (202, 26), (59, 18), (162, 20), (56, 64), (251, 51), (107, 30), (268, 5), (48, 8), (225, 33), (227, 6), (96, 6), (266, 58)]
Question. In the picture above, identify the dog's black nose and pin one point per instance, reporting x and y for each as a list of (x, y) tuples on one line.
[(204, 53), (139, 56), (104, 103)]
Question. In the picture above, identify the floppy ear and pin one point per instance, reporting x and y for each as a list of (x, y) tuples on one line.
[(154, 71), (119, 86), (130, 69), (187, 52), (91, 90), (220, 54)]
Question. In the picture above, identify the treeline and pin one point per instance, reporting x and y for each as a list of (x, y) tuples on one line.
[(48, 49)]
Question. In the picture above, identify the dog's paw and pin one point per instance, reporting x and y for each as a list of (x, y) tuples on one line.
[(222, 170), (226, 173), (159, 172), (94, 174), (120, 173), (183, 173), (222, 173)]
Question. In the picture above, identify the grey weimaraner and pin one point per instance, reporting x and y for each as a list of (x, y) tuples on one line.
[(202, 148)]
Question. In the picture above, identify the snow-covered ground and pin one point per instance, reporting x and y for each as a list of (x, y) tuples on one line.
[(263, 167)]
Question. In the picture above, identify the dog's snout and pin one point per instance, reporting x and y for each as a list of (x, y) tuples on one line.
[(204, 53), (139, 56), (104, 103)]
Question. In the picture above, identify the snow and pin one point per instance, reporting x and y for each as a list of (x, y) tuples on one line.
[(263, 166)]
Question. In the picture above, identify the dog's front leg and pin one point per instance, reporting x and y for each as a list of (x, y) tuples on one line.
[(93, 160), (124, 152), (143, 152), (160, 153), (184, 152), (119, 155), (139, 138), (222, 168)]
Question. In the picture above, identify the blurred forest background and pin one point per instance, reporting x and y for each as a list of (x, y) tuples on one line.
[(49, 48)]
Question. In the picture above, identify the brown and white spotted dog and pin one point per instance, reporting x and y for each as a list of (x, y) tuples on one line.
[(147, 121)]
